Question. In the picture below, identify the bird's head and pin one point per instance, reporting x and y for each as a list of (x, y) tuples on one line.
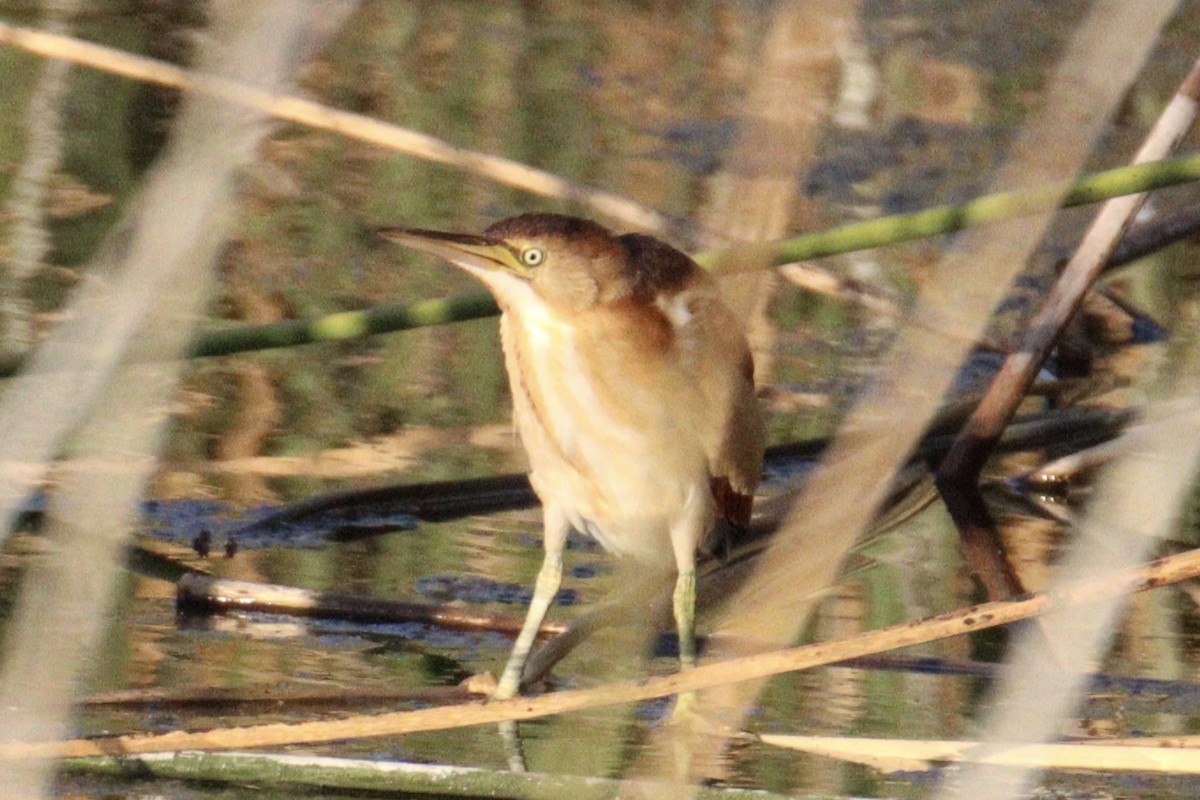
[(568, 262)]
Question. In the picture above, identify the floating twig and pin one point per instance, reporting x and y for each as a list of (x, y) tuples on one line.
[(895, 755)]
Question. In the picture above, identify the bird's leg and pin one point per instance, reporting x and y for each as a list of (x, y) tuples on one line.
[(684, 606), (630, 600), (548, 580), (686, 535)]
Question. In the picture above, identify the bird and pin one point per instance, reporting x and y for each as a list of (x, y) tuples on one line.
[(633, 396)]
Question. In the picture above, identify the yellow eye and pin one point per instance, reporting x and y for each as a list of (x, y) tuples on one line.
[(532, 256)]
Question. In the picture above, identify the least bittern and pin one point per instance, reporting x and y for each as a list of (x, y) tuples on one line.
[(633, 392)]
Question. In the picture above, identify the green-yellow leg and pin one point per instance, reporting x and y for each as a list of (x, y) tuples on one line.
[(684, 604), (548, 580)]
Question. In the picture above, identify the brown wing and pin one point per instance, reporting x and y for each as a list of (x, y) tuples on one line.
[(736, 460), (718, 361), (733, 430)]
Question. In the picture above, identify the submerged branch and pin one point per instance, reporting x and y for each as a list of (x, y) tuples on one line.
[(272, 698), (196, 591)]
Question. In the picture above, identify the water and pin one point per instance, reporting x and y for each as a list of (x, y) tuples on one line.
[(640, 99)]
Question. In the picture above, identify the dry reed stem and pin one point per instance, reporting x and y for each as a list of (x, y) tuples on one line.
[(354, 126), (101, 382)]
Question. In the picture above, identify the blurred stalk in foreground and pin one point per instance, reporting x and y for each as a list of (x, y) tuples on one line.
[(100, 386)]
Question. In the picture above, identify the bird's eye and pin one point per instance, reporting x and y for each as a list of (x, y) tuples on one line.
[(532, 256)]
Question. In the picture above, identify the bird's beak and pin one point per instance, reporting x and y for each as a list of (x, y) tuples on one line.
[(478, 254)]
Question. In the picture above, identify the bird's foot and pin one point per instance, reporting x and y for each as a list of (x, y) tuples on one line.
[(485, 684), (688, 715), (504, 689), (687, 708), (482, 684)]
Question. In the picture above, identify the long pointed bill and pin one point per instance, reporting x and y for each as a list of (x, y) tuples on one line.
[(477, 254)]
